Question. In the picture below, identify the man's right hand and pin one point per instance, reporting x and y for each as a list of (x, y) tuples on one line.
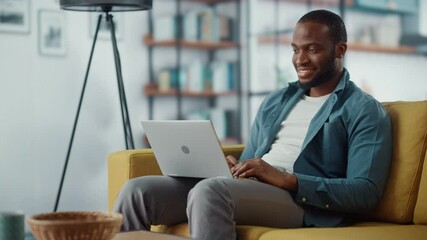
[(231, 161)]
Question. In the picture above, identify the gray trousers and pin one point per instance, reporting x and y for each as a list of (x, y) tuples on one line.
[(212, 207)]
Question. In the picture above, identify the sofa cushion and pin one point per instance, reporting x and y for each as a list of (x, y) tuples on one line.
[(409, 136), (420, 214)]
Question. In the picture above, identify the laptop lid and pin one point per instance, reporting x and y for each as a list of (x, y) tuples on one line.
[(187, 148)]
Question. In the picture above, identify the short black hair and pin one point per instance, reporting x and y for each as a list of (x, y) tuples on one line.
[(333, 21)]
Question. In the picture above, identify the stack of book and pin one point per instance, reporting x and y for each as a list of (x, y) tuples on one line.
[(197, 25), (217, 77)]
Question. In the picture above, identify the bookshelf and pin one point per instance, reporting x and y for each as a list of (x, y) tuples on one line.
[(176, 83)]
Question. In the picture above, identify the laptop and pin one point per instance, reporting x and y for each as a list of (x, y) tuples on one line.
[(187, 148)]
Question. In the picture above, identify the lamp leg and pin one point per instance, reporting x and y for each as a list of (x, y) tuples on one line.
[(77, 116), (123, 103)]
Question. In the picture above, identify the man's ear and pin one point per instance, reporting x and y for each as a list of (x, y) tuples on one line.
[(340, 50)]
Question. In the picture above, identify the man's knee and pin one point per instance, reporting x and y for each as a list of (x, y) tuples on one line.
[(134, 190), (135, 185), (208, 189)]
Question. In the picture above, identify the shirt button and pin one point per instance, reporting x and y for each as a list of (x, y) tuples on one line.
[(304, 199), (327, 206)]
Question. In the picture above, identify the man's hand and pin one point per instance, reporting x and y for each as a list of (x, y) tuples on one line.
[(231, 161), (266, 173)]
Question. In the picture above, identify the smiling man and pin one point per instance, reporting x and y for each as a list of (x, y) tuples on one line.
[(319, 148)]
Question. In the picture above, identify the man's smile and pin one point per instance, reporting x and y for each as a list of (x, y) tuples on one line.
[(304, 72)]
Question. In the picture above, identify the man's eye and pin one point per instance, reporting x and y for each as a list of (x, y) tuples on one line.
[(312, 50)]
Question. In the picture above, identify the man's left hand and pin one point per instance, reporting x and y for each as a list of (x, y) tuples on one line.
[(266, 173)]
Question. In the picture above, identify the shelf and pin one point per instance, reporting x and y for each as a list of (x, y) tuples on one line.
[(259, 93), (152, 91), (202, 45), (266, 40), (379, 48)]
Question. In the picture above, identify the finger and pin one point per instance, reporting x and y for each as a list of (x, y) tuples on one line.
[(241, 168), (231, 160), (234, 168), (248, 173)]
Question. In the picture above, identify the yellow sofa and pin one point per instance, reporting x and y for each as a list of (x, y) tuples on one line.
[(401, 214)]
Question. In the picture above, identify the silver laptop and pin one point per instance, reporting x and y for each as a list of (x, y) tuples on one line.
[(187, 148)]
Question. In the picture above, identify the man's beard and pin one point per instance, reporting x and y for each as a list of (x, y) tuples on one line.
[(322, 77)]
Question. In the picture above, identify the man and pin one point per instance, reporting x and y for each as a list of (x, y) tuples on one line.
[(319, 148)]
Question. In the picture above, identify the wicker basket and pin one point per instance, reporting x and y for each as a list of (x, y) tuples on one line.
[(75, 225)]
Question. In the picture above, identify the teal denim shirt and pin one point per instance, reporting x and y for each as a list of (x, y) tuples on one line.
[(345, 157)]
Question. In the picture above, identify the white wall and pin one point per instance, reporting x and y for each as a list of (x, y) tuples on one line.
[(38, 101)]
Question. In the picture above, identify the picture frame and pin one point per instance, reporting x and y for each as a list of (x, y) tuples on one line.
[(52, 33), (15, 16), (104, 28)]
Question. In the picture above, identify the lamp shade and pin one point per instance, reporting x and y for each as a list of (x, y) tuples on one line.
[(106, 5)]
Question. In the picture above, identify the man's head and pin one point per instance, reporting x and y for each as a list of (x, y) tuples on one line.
[(319, 43)]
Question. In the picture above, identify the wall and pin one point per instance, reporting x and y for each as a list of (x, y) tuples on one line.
[(38, 101)]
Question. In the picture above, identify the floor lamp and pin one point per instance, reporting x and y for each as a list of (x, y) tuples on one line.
[(104, 7)]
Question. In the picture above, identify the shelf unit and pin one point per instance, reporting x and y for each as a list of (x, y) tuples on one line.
[(179, 44)]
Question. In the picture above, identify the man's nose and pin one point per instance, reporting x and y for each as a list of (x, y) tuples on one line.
[(301, 58)]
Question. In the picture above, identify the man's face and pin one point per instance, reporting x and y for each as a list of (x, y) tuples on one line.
[(314, 54)]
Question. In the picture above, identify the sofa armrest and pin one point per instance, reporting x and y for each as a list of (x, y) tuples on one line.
[(128, 164)]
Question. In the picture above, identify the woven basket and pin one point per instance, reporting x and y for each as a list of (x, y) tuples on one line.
[(75, 225)]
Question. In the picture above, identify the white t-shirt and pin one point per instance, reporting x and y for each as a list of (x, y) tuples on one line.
[(288, 142)]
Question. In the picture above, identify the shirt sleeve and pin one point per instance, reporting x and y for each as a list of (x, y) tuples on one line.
[(251, 144)]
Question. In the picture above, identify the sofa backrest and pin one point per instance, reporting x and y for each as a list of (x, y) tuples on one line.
[(409, 122)]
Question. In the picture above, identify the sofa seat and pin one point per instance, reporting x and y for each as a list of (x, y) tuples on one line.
[(364, 230), (386, 232), (244, 232)]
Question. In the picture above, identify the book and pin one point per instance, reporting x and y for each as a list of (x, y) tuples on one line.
[(224, 75), (165, 28)]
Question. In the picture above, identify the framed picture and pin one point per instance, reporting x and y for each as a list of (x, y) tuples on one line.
[(104, 28), (15, 16), (52, 33)]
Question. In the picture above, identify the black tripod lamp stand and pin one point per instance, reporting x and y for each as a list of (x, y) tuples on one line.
[(104, 7)]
